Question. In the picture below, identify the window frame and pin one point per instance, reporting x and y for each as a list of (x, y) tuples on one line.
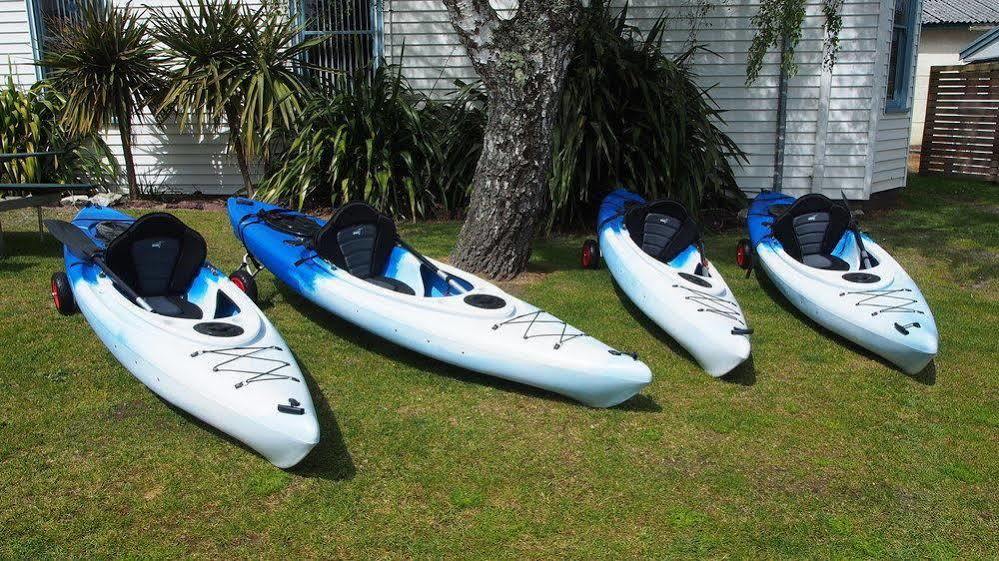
[(898, 100), (376, 32), (37, 30)]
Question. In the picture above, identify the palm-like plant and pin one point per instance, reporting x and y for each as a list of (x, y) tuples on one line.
[(377, 139), (29, 122), (233, 66), (106, 66)]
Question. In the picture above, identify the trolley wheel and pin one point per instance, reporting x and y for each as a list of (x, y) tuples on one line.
[(245, 282), (744, 254), (590, 256), (62, 294)]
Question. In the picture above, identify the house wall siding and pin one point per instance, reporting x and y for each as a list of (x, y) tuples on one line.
[(16, 58), (890, 150), (831, 115), (938, 46), (419, 36), (166, 158)]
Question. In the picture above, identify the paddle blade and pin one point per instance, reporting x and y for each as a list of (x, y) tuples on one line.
[(73, 238)]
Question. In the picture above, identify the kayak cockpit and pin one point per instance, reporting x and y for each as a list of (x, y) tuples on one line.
[(162, 261), (365, 243), (814, 231)]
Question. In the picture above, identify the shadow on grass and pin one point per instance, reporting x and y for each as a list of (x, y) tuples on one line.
[(361, 338), (778, 297), (744, 374), (20, 243), (8, 266), (330, 459)]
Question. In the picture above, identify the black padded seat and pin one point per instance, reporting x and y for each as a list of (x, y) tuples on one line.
[(830, 262), (392, 284), (159, 257), (811, 228), (662, 228), (359, 240), (173, 306)]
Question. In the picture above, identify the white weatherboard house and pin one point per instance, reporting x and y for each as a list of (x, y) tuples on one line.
[(847, 129)]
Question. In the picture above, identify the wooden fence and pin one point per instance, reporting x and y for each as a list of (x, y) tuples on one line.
[(961, 132)]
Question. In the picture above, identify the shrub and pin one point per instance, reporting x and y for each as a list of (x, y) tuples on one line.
[(632, 116), (376, 139), (29, 122)]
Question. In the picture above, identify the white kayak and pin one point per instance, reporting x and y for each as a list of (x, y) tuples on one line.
[(808, 248), (356, 267), (653, 252), (185, 330)]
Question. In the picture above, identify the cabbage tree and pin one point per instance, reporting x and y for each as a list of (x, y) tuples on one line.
[(106, 66), (233, 67)]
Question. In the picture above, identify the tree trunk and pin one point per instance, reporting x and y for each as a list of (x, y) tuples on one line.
[(510, 187), (236, 139), (125, 131), (522, 63)]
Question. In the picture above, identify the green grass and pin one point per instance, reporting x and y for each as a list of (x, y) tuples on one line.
[(817, 450)]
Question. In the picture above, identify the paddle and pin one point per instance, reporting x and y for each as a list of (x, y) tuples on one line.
[(865, 258), (433, 268), (83, 247)]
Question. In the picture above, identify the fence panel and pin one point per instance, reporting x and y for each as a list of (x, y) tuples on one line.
[(961, 132)]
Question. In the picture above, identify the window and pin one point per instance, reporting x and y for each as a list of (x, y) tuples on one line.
[(900, 56), (356, 27), (44, 17)]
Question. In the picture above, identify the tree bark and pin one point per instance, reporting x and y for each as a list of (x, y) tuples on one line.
[(522, 63), (235, 138), (125, 131)]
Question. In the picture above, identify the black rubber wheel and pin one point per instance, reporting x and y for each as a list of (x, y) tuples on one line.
[(245, 282), (590, 256), (744, 254), (62, 294)]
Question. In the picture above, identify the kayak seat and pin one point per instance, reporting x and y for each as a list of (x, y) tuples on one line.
[(662, 229), (810, 229), (392, 284), (359, 240), (173, 306), (159, 257)]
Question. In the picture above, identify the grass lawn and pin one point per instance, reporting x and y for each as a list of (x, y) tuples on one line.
[(818, 449)]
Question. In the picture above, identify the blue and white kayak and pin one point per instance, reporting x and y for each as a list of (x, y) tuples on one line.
[(356, 267), (653, 251), (809, 248), (187, 332)]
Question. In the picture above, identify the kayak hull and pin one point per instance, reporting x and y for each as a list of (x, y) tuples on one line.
[(197, 372), (706, 320), (888, 316), (514, 341)]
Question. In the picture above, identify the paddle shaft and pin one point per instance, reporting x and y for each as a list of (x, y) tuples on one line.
[(865, 258), (83, 247), (433, 268), (117, 281)]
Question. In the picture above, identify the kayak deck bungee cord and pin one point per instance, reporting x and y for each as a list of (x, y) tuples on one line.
[(358, 268), (813, 251), (183, 329)]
